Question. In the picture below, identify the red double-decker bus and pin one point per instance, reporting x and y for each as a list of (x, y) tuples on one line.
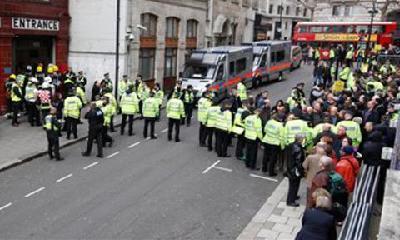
[(324, 34)]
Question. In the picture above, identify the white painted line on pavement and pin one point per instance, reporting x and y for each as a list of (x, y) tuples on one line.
[(63, 178), (134, 145), (91, 165), (165, 130), (224, 169), (266, 178), (211, 167), (34, 192), (6, 206), (112, 155)]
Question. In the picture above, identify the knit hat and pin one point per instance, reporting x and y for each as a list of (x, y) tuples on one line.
[(348, 150)]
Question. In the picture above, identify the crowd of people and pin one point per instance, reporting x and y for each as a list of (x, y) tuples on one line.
[(325, 138)]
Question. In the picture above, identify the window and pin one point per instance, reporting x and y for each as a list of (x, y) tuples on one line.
[(191, 29), (287, 10), (146, 63), (149, 21), (305, 12), (235, 1), (303, 29), (231, 68), (278, 56), (172, 27), (350, 29), (279, 9), (347, 11), (241, 65), (170, 62), (338, 29), (271, 8), (298, 11), (255, 4), (362, 29), (286, 25), (263, 61), (316, 29), (377, 29), (335, 11), (245, 3), (220, 73)]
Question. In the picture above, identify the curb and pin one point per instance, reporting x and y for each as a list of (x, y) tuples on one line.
[(18, 162)]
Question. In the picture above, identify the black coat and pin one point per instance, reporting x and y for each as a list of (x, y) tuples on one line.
[(372, 149), (295, 160), (95, 119), (372, 116), (317, 225)]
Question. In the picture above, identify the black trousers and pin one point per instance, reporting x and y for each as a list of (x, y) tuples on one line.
[(130, 123), (202, 134), (105, 137), (148, 121), (112, 124), (240, 145), (210, 132), (33, 113), (16, 106), (270, 158), (222, 142), (171, 123), (251, 153), (53, 146), (188, 112), (294, 184), (71, 127), (95, 134)]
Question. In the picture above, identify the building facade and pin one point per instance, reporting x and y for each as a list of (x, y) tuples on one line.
[(352, 10), (31, 32), (155, 37)]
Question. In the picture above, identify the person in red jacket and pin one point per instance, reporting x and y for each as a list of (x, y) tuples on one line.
[(348, 167)]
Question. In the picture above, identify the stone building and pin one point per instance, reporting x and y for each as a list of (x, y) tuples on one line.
[(155, 37)]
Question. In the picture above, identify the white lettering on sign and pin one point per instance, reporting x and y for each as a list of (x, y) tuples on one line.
[(35, 24)]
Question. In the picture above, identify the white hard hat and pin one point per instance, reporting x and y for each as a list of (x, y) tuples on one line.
[(48, 79), (34, 80)]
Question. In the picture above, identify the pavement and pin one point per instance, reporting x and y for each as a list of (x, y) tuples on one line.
[(142, 189)]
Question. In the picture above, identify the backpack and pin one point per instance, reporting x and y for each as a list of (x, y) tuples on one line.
[(336, 185)]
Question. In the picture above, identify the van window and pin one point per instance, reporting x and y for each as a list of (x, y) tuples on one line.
[(220, 73), (263, 62), (232, 68), (278, 56), (241, 65)]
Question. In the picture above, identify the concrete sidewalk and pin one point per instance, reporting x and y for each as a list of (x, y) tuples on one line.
[(24, 143), (276, 221)]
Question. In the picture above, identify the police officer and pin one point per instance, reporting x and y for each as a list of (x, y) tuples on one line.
[(238, 129), (113, 106), (72, 112), (159, 95), (108, 111), (294, 169), (211, 120), (202, 107), (273, 141), (122, 86), (241, 93), (16, 101), (31, 97), (175, 112), (252, 133), (53, 128), (223, 129), (81, 80), (95, 119), (129, 106), (150, 112), (353, 129), (107, 81), (188, 100), (349, 56)]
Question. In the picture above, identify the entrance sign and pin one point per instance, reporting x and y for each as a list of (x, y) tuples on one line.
[(35, 24)]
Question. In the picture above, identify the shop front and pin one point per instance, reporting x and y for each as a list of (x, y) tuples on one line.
[(29, 39), (262, 27)]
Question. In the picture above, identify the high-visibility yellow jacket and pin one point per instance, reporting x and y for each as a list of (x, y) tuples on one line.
[(175, 109), (274, 133), (129, 103), (253, 127), (72, 107)]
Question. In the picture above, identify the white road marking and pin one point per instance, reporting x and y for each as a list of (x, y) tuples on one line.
[(165, 130), (6, 206), (224, 169), (266, 178), (34, 192), (134, 145), (112, 155), (211, 167), (91, 165), (63, 178)]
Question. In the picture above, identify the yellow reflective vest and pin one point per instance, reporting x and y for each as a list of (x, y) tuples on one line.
[(150, 108), (294, 127), (224, 121), (129, 103), (274, 133), (72, 107), (212, 116), (202, 108), (353, 131), (253, 127), (175, 109), (241, 91)]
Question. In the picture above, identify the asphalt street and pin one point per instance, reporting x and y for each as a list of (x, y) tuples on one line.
[(142, 189)]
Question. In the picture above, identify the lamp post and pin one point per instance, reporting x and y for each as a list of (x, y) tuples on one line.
[(372, 12), (117, 50)]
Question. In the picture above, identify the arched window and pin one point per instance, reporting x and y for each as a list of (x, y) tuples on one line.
[(172, 28), (191, 31), (149, 21)]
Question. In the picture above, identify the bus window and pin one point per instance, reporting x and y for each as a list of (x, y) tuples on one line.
[(241, 65), (362, 29), (231, 68), (338, 29), (316, 29), (376, 29), (302, 29), (350, 29)]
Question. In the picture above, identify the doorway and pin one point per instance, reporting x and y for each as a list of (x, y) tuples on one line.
[(31, 50)]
